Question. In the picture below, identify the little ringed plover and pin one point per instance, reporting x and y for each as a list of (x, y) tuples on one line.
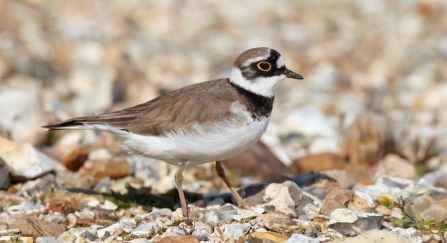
[(201, 123)]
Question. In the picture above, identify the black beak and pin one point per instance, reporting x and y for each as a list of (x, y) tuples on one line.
[(291, 74)]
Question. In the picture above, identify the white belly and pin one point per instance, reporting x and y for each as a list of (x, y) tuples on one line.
[(222, 141)]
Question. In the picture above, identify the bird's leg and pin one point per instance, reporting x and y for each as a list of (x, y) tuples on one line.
[(221, 173), (178, 182)]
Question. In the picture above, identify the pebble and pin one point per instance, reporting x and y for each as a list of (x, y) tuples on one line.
[(336, 199), (26, 207), (374, 236), (22, 118), (237, 230), (201, 234), (269, 236), (56, 218), (87, 235), (213, 218), (67, 237), (175, 231), (393, 165), (308, 120), (47, 240), (431, 204), (226, 211), (23, 161), (369, 138), (351, 222), (282, 198), (4, 177), (299, 238), (145, 229), (411, 233), (101, 232)]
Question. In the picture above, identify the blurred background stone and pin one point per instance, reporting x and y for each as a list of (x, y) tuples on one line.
[(23, 161), (369, 138)]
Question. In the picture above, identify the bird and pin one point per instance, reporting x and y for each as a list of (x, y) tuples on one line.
[(201, 123)]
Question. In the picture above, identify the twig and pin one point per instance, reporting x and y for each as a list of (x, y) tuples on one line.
[(36, 225)]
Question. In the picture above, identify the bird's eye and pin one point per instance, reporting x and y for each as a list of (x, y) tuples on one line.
[(264, 66)]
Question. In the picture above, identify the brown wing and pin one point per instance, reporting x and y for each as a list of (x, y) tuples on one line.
[(200, 103)]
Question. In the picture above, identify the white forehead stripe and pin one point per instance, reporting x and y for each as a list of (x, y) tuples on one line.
[(256, 59), (280, 63)]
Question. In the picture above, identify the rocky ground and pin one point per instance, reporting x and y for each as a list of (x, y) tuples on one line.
[(356, 152)]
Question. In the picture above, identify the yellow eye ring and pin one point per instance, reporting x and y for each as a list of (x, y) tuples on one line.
[(264, 66)]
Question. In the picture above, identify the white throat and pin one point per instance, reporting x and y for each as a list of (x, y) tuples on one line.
[(262, 86)]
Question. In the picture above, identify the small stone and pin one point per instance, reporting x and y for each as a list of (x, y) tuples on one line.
[(22, 116), (115, 168), (71, 218), (27, 239), (84, 221), (359, 204), (110, 230), (76, 158), (4, 177), (342, 177), (67, 238), (213, 217), (369, 138), (319, 162), (175, 231), (163, 211), (61, 206), (394, 181), (382, 236), (269, 236), (56, 218), (26, 207), (202, 234), (282, 198), (411, 233), (118, 232), (237, 230), (201, 225), (380, 209), (310, 121), (258, 162), (336, 199), (177, 239), (87, 235), (79, 231), (350, 222), (245, 215), (127, 223), (23, 161), (394, 165), (104, 185), (145, 229), (299, 238), (222, 238), (108, 205), (311, 210), (278, 224), (46, 240), (431, 204), (423, 185), (253, 194)]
